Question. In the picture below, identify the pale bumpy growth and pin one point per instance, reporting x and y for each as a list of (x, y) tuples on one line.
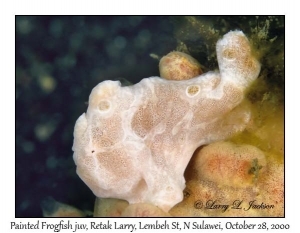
[(135, 142), (179, 66), (228, 164)]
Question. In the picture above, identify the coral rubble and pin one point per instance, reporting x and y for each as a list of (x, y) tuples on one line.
[(53, 208), (109, 207)]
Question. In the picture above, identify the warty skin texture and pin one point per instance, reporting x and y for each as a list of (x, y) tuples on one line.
[(134, 142)]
